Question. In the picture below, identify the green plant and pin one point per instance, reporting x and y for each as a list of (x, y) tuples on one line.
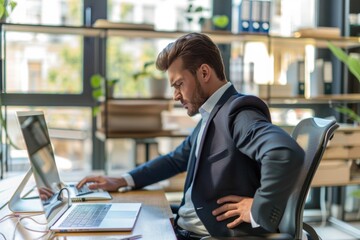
[(220, 21), (98, 89), (6, 8), (148, 71), (193, 10), (353, 65)]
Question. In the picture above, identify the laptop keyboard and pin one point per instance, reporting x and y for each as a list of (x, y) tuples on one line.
[(89, 215)]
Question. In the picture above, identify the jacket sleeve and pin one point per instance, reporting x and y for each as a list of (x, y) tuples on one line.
[(278, 154), (165, 166)]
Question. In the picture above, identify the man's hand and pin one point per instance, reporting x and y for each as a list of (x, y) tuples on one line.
[(45, 193), (234, 206), (106, 183)]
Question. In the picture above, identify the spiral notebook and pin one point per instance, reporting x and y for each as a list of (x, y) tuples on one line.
[(40, 151)]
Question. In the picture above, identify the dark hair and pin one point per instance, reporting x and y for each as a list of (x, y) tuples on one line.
[(194, 49)]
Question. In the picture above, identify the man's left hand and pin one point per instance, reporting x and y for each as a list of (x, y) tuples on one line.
[(234, 206)]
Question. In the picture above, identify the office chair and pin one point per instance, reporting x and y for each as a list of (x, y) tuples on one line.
[(312, 134)]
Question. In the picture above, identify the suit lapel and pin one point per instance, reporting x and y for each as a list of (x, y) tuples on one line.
[(231, 91)]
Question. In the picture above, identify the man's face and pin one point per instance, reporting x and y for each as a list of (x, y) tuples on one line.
[(187, 88)]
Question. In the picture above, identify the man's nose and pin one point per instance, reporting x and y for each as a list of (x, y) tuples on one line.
[(177, 95)]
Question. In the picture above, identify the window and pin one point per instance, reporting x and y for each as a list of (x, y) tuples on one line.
[(49, 63), (43, 68), (70, 135), (54, 12)]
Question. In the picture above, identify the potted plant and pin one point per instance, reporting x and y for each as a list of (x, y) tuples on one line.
[(98, 93), (156, 80), (353, 65), (192, 11)]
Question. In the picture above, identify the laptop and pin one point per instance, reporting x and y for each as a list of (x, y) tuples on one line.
[(39, 147), (61, 214)]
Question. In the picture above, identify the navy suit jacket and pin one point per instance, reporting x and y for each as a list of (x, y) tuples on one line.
[(241, 153)]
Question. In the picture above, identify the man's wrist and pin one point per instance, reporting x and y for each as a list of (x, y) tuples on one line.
[(127, 183), (253, 223)]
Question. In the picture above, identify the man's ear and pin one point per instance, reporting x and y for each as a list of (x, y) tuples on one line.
[(205, 72)]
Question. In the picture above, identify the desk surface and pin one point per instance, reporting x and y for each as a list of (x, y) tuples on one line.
[(154, 221)]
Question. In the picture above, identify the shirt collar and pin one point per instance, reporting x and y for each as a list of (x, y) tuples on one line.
[(210, 103)]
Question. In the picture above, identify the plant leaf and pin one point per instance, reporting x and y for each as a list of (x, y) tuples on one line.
[(112, 82), (349, 113), (338, 52), (220, 21), (356, 194), (13, 4), (189, 9), (97, 93), (199, 9), (96, 110), (2, 11), (352, 63), (354, 67), (96, 80), (148, 64)]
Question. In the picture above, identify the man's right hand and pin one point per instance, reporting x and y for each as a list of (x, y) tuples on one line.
[(110, 184)]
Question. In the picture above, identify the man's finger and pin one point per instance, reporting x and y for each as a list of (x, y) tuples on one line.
[(85, 180), (224, 208), (235, 223), (227, 215), (229, 198)]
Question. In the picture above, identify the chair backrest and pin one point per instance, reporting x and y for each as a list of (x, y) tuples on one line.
[(312, 134)]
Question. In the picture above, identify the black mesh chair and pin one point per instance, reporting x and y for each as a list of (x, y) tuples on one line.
[(312, 134)]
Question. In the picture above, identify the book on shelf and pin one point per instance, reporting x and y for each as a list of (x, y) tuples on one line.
[(254, 16), (265, 16), (317, 79), (328, 77), (295, 76), (244, 15)]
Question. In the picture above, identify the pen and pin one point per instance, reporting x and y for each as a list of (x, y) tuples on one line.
[(131, 237)]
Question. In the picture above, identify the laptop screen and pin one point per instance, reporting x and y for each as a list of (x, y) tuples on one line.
[(42, 159)]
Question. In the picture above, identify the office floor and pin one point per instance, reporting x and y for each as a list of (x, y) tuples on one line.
[(329, 232)]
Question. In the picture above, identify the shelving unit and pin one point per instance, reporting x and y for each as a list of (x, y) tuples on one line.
[(275, 45)]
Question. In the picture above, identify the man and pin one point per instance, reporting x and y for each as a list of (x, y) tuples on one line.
[(240, 167)]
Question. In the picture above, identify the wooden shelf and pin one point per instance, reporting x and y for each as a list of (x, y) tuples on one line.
[(140, 135), (225, 37), (323, 99)]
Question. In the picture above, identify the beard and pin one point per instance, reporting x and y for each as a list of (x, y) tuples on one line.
[(197, 99)]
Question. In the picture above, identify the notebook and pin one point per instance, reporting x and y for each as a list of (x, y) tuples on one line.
[(61, 214), (37, 140)]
